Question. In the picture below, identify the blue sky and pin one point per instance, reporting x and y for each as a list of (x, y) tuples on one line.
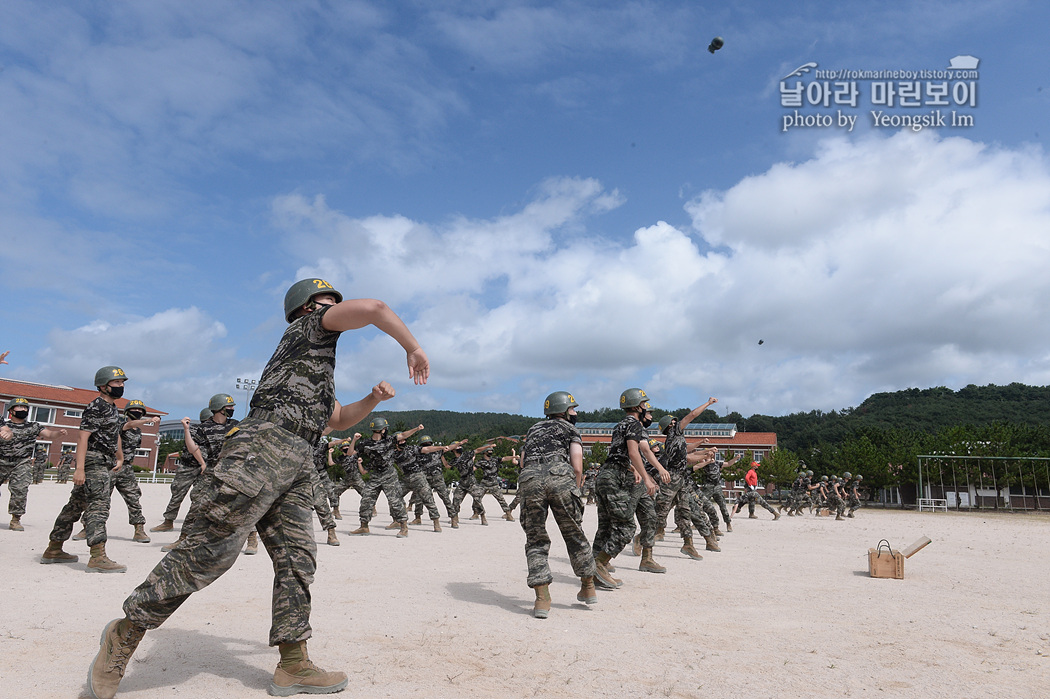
[(552, 195)]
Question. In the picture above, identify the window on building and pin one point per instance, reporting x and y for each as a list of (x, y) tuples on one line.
[(141, 453), (74, 413), (41, 414)]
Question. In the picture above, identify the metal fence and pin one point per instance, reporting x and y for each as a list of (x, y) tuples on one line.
[(984, 482)]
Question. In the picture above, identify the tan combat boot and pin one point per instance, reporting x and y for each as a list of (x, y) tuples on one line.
[(660, 534), (80, 535), (648, 564), (474, 516), (636, 545), (252, 546), (752, 516), (168, 547), (839, 517), (101, 563), (719, 533), (587, 593), (333, 540), (394, 525), (417, 520), (437, 525), (361, 531), (55, 554), (404, 530), (454, 522), (120, 638), (729, 527), (16, 524), (335, 513), (508, 516), (295, 674), (776, 516), (484, 522), (140, 534), (603, 577), (712, 542), (542, 608), (165, 526), (689, 550)]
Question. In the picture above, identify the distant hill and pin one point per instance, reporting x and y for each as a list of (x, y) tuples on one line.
[(918, 410)]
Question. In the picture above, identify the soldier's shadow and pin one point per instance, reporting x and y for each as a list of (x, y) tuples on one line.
[(177, 656), (477, 593)]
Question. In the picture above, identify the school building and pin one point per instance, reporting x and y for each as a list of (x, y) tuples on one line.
[(62, 407)]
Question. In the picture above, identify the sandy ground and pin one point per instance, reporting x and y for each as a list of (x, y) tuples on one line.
[(786, 610)]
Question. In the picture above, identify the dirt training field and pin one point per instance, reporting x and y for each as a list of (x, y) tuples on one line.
[(785, 610)]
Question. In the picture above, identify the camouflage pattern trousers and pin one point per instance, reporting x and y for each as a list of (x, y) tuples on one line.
[(90, 501), (185, 477), (680, 493), (751, 497), (495, 491), (853, 503), (835, 503), (352, 479), (554, 491), (436, 480), (63, 471), (127, 485), (264, 480), (391, 487), (467, 485), (618, 501), (416, 483), (321, 500), (18, 475), (715, 495)]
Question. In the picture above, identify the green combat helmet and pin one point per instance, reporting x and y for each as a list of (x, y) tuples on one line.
[(109, 373), (559, 402), (665, 422), (425, 441), (220, 401), (847, 475), (15, 402), (206, 414), (378, 424), (300, 293), (135, 406), (634, 398), (809, 473)]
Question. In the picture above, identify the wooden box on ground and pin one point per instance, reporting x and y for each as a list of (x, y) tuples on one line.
[(885, 562)]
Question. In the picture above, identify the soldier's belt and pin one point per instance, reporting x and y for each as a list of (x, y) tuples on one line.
[(311, 436)]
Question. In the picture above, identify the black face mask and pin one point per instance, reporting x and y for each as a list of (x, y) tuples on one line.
[(20, 414), (571, 419), (645, 419), (136, 416), (115, 391), (228, 412)]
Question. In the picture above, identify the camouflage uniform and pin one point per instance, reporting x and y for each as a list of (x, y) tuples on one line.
[(547, 482), (124, 480), (378, 457), (16, 463), (464, 465), (209, 437), (91, 499), (681, 489), (410, 459), (712, 488), (434, 471), (351, 478), (321, 499), (187, 475), (264, 480), (489, 484), (39, 465), (835, 503), (617, 496), (589, 479), (749, 497), (852, 497), (64, 466)]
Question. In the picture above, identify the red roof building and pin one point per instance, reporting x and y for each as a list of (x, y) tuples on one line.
[(62, 407)]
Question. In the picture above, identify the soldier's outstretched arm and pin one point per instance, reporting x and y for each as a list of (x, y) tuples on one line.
[(345, 416), (353, 314), (695, 413)]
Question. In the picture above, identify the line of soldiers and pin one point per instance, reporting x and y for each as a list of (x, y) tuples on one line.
[(838, 494)]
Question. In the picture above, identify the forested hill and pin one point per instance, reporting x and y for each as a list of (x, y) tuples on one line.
[(914, 409)]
